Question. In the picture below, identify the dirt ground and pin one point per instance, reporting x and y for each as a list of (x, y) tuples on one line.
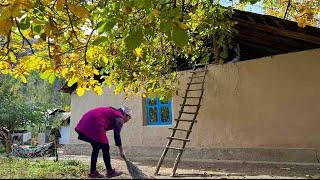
[(213, 170)]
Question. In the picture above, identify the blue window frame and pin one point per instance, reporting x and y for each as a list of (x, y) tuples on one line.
[(158, 112)]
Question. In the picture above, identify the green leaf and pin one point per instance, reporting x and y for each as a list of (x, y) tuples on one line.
[(119, 88), (45, 75), (149, 31), (164, 1), (138, 3), (134, 39), (101, 27), (99, 40), (25, 24), (52, 78), (72, 81), (205, 59), (179, 37), (175, 13), (37, 29), (105, 26), (148, 4), (165, 26), (23, 79)]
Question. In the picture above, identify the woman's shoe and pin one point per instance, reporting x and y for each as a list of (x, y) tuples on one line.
[(113, 173), (95, 174)]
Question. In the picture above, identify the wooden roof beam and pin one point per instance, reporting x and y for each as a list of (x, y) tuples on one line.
[(277, 40), (282, 32), (258, 39), (262, 47), (278, 24)]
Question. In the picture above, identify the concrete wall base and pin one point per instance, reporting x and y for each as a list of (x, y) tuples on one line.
[(224, 154)]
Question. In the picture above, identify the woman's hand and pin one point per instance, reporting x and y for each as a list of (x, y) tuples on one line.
[(122, 154)]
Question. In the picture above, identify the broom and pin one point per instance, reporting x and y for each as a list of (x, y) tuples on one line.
[(134, 170)]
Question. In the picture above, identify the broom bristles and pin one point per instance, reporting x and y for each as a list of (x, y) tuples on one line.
[(134, 171)]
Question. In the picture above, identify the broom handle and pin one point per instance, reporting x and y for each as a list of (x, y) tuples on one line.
[(125, 159)]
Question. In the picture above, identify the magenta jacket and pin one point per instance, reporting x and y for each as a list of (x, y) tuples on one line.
[(94, 124)]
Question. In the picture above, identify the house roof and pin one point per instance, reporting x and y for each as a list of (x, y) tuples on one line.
[(61, 116), (54, 111), (263, 35), (19, 131)]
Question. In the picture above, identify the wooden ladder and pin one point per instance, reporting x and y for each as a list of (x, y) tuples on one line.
[(198, 73)]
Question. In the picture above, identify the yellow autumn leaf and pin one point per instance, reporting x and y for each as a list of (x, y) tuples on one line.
[(26, 3), (80, 91), (82, 12), (16, 10), (23, 79), (6, 71), (5, 12), (135, 74), (4, 65), (118, 89), (59, 5), (16, 76), (182, 25), (138, 52), (155, 13), (98, 90), (79, 11), (96, 72), (72, 81), (105, 59), (302, 22), (5, 26), (46, 2)]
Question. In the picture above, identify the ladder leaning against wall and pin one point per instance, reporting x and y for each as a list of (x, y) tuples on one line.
[(195, 85)]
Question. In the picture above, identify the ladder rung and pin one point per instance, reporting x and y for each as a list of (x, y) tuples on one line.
[(188, 112), (197, 65), (199, 71), (192, 97), (196, 77), (190, 105), (175, 148), (195, 89), (186, 120), (177, 129), (196, 83), (179, 139)]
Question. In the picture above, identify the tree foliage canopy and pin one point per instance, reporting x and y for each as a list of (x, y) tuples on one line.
[(128, 45), (23, 105), (305, 12)]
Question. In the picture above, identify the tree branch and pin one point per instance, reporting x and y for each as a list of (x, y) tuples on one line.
[(174, 2), (86, 47), (70, 21), (24, 38), (285, 15), (182, 10), (49, 48)]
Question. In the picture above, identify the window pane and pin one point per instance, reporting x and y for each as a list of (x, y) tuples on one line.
[(153, 114), (165, 116), (152, 102)]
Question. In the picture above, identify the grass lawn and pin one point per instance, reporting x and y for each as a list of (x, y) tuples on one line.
[(40, 168)]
